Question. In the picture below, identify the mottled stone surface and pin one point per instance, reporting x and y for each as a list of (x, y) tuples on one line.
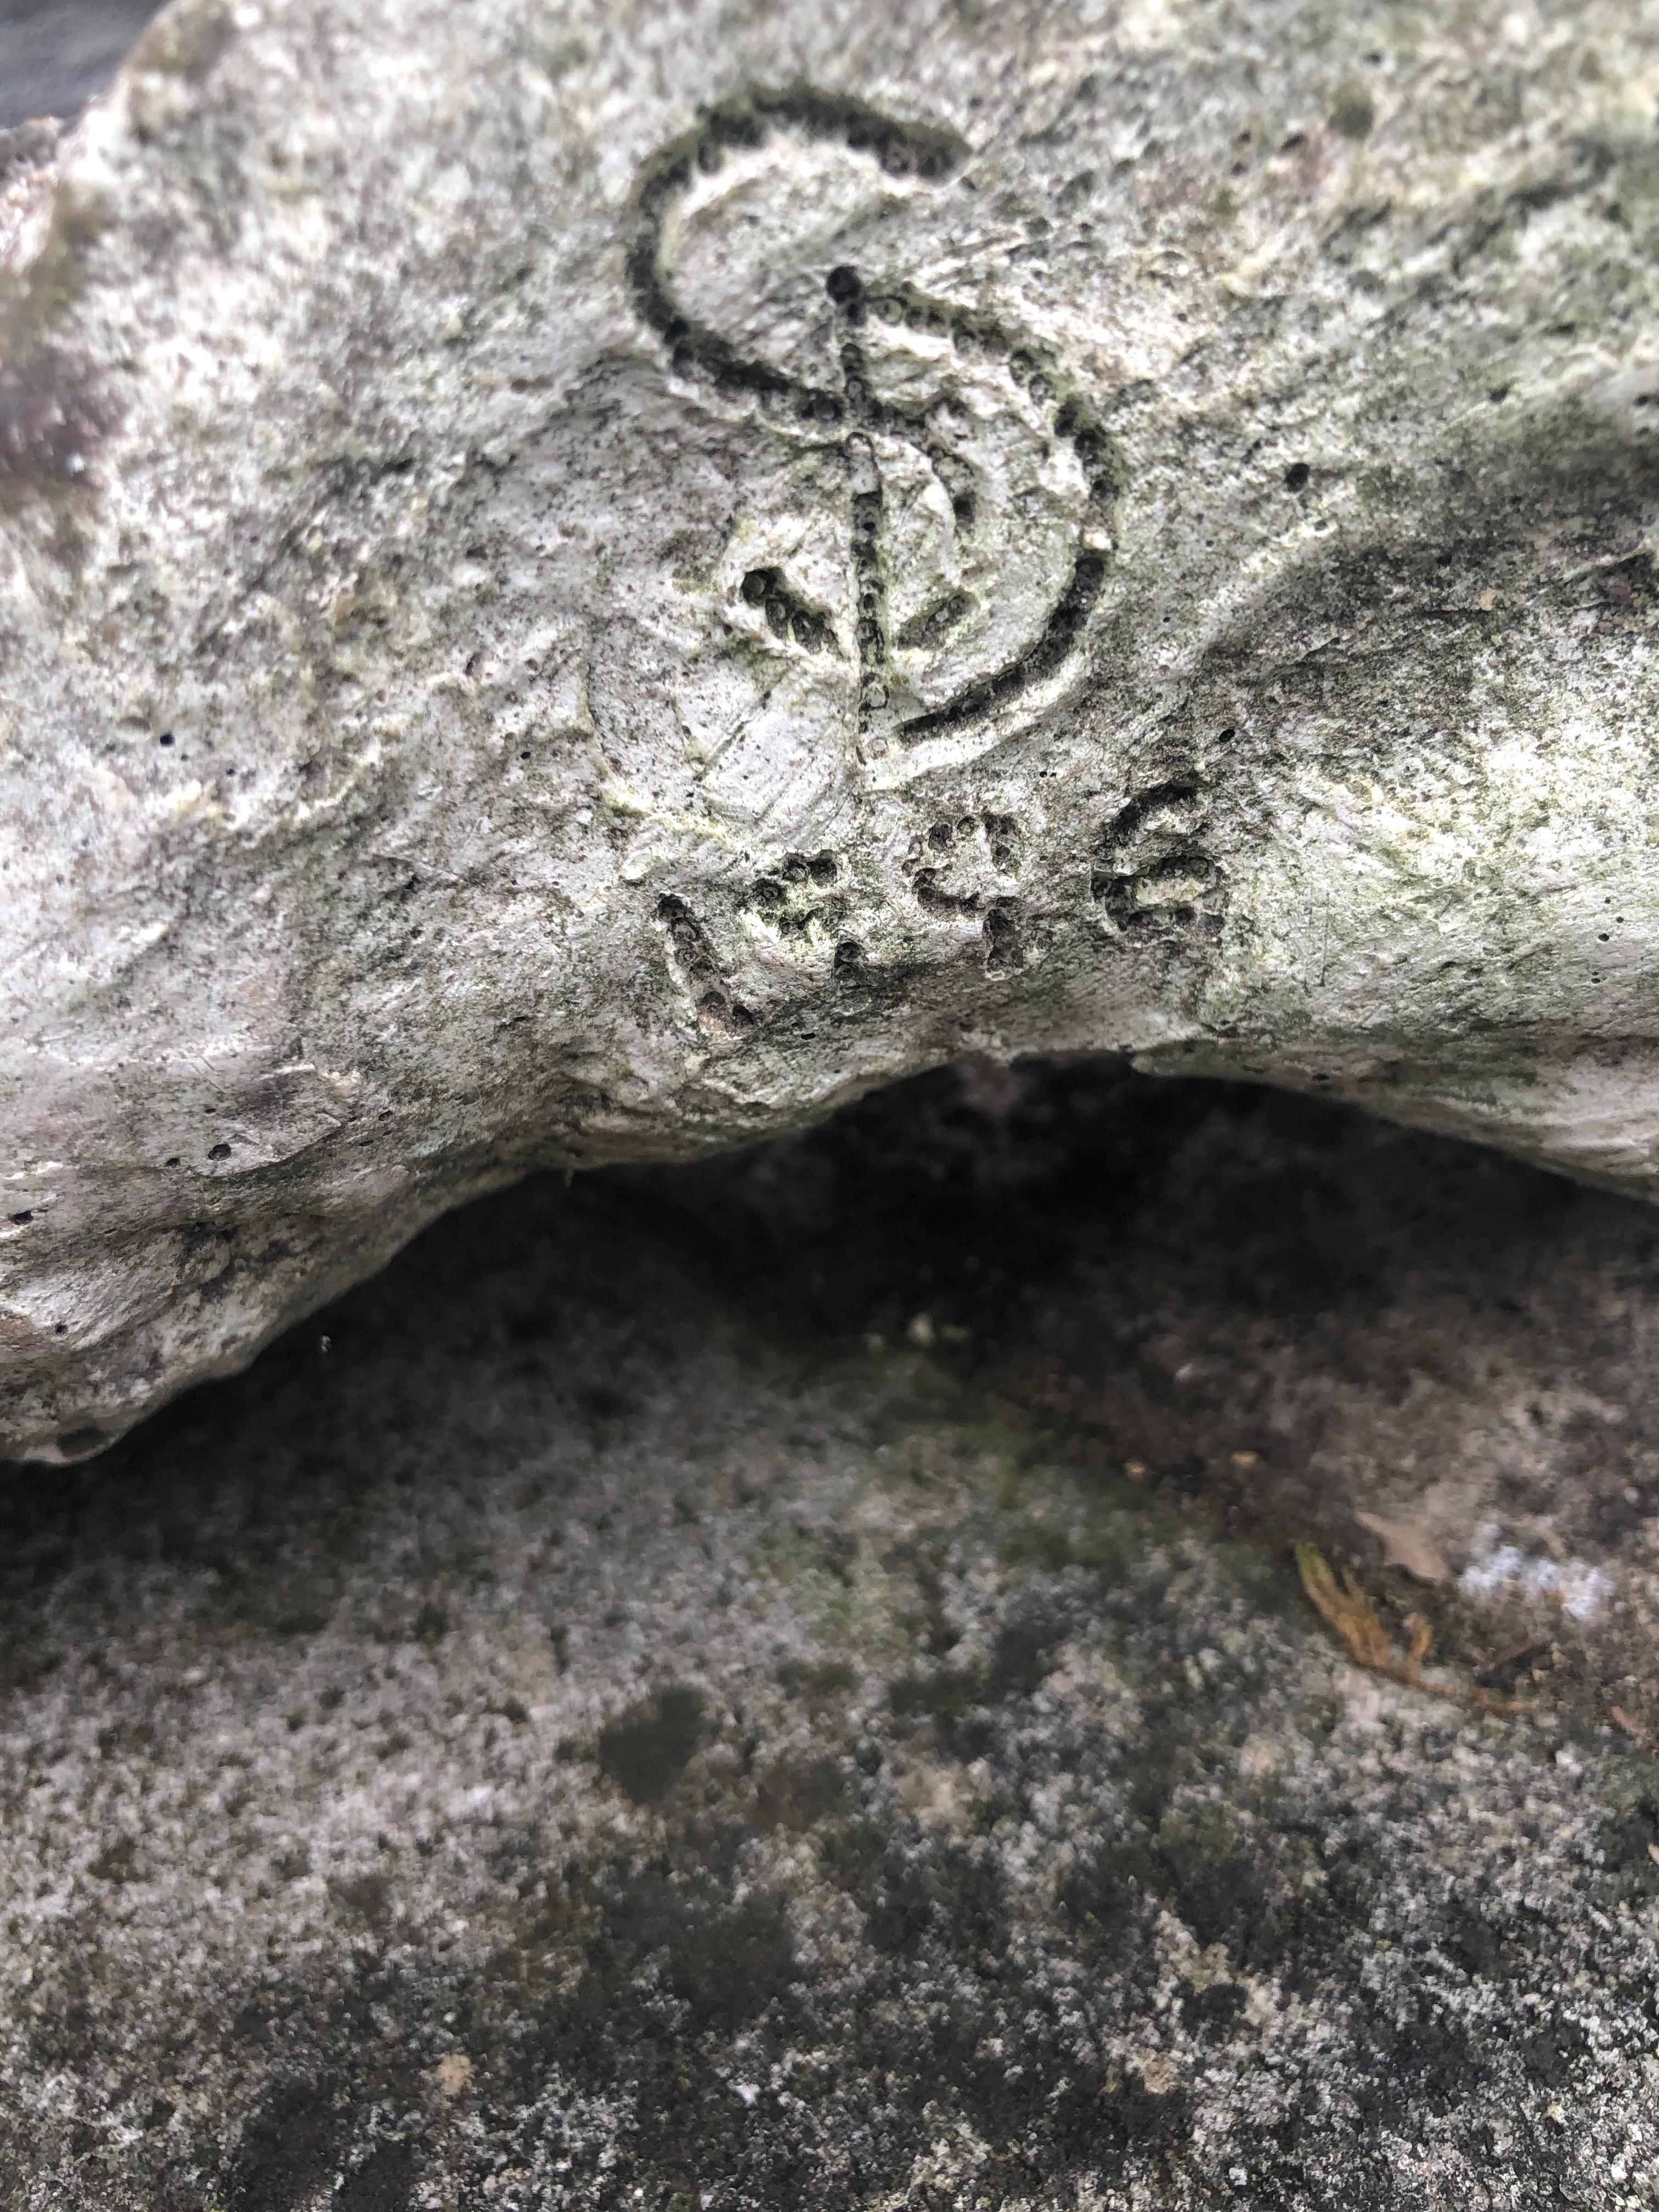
[(624, 1720), (581, 582)]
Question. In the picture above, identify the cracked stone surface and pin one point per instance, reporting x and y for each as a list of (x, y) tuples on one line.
[(581, 583), (781, 1683)]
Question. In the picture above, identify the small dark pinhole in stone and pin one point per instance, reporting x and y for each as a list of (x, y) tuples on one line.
[(1001, 936), (60, 1329), (1354, 115), (165, 737), (962, 507), (20, 1219), (218, 1151), (1296, 476), (756, 586), (1225, 737), (172, 1160), (844, 286), (826, 869)]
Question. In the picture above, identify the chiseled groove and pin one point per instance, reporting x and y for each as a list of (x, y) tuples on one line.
[(867, 415), (902, 148), (1051, 651)]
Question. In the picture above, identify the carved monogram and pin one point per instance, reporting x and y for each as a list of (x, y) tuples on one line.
[(935, 411)]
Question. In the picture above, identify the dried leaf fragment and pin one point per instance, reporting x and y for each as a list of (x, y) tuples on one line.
[(1347, 1609), (1345, 1605), (1621, 1719), (1407, 1543)]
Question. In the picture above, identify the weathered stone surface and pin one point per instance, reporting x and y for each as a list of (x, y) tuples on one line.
[(582, 582), (587, 1739)]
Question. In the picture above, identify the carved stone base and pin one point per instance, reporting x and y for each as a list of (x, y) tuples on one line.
[(581, 583)]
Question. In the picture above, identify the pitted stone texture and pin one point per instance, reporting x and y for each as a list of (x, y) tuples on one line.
[(581, 582)]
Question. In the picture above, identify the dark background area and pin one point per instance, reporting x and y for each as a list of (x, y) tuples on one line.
[(55, 54)]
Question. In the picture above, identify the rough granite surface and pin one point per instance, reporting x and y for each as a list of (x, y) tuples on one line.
[(583, 581), (782, 1685)]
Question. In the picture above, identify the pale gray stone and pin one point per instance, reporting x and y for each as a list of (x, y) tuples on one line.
[(581, 582)]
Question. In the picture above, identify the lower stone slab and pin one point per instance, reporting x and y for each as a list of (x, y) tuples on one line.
[(637, 1707)]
